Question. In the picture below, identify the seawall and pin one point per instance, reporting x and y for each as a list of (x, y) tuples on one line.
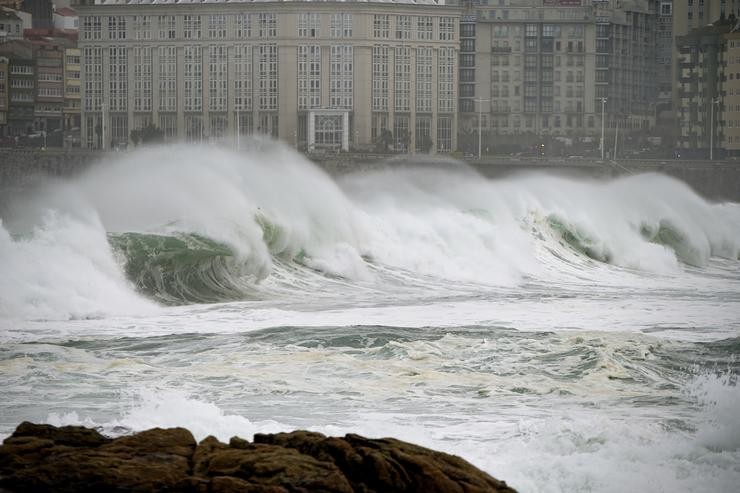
[(715, 180)]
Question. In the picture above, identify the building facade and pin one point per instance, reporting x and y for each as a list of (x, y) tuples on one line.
[(49, 85), (21, 86), (11, 26), (700, 108), (729, 117), (334, 75), (541, 68), (72, 91), (4, 66)]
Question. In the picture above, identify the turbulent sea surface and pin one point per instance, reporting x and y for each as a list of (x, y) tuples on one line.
[(561, 334)]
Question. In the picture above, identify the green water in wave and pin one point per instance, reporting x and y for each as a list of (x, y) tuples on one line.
[(579, 240), (179, 268)]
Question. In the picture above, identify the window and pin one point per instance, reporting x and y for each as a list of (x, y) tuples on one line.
[(243, 78), (243, 25), (217, 26), (444, 134), (446, 78), (117, 27), (500, 31), (341, 77), (403, 27), (268, 76), (191, 26), (467, 45), (341, 25), (193, 82), (403, 79), (142, 27), (467, 60), (309, 25), (118, 78), (424, 80), (167, 28), (142, 78), (446, 28), (167, 78), (401, 133), (217, 78), (381, 26), (380, 78), (530, 31), (309, 76), (424, 28), (550, 31), (267, 25), (91, 27), (467, 30)]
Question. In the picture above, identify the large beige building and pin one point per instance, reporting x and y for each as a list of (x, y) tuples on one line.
[(335, 75)]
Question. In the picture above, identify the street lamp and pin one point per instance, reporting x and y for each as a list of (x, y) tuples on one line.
[(711, 128), (480, 102), (603, 107)]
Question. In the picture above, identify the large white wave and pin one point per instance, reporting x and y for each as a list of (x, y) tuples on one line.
[(424, 225)]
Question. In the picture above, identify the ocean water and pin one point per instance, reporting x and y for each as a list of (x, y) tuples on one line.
[(561, 334)]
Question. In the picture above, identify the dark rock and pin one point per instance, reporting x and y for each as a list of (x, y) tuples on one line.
[(43, 458)]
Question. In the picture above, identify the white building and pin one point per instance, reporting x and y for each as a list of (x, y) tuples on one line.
[(313, 74), (66, 18)]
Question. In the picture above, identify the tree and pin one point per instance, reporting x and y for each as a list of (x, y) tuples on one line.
[(151, 133)]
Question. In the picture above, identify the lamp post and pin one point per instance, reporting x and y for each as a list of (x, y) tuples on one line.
[(711, 127), (603, 107), (480, 102)]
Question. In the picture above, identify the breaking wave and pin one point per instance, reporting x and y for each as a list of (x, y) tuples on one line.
[(201, 224)]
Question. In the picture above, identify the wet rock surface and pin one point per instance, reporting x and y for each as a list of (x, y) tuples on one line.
[(44, 458)]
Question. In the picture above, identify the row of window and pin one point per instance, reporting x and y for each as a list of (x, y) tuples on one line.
[(407, 27), (193, 68), (145, 27), (261, 25)]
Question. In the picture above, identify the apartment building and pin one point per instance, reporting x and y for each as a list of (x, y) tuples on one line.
[(541, 68), (72, 92), (334, 75), (21, 86), (728, 121), (700, 86), (11, 26), (49, 105), (4, 66)]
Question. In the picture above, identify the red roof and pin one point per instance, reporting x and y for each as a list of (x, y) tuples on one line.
[(66, 12)]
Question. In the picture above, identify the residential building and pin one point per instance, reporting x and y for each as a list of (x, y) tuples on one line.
[(72, 85), (334, 75), (4, 67), (538, 69), (664, 49), (700, 84), (728, 121), (21, 86), (66, 18), (11, 26), (49, 85)]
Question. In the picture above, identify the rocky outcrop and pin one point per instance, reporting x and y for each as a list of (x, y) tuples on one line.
[(44, 458)]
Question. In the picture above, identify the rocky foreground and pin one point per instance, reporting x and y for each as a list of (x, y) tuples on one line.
[(44, 458)]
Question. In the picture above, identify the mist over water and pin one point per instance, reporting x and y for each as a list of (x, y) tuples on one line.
[(562, 334)]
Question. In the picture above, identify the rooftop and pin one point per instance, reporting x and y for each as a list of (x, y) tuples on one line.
[(66, 12)]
